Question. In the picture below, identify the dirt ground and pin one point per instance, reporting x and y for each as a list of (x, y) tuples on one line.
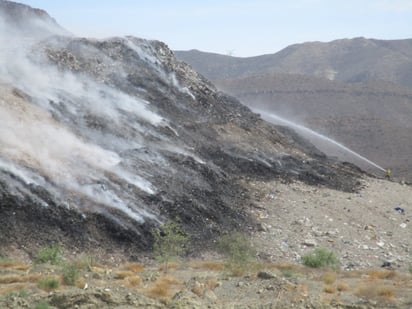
[(364, 229)]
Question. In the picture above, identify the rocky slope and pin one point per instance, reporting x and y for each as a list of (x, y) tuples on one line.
[(103, 139)]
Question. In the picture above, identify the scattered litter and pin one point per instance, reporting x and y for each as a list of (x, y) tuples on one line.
[(400, 210), (403, 225), (380, 243), (386, 264)]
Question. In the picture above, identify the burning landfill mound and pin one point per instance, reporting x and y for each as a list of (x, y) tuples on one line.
[(100, 140)]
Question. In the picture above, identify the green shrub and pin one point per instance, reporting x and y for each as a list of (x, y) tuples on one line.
[(170, 242), (42, 305), (321, 257), (48, 284), (237, 250), (70, 273), (52, 254)]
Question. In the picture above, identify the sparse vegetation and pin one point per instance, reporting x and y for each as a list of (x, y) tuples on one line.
[(341, 287), (170, 242), (381, 274), (42, 305), (162, 288), (84, 262), (132, 281), (288, 273), (329, 289), (51, 254), (208, 265), (70, 274), (375, 291), (329, 277), (134, 267), (237, 250), (15, 278), (48, 284), (321, 257)]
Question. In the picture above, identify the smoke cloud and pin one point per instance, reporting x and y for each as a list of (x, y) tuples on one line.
[(43, 139)]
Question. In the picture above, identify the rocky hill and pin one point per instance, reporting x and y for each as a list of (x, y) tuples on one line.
[(347, 60), (354, 91)]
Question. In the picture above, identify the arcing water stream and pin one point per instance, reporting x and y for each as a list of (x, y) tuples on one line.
[(276, 119)]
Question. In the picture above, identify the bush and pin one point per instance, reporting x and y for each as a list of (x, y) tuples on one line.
[(321, 257), (70, 274), (48, 284), (237, 250), (52, 254), (170, 242), (42, 305)]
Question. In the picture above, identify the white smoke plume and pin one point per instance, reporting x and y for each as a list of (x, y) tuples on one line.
[(38, 148)]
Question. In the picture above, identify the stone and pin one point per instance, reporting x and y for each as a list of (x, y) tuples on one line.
[(310, 243), (210, 295), (266, 275), (262, 227)]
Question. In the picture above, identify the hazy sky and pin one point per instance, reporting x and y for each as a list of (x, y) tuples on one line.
[(241, 28)]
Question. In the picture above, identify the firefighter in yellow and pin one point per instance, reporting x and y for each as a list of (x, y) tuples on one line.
[(388, 173)]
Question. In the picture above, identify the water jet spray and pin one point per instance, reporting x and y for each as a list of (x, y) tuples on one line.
[(276, 119)]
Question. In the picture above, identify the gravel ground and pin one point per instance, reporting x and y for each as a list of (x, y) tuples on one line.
[(365, 229)]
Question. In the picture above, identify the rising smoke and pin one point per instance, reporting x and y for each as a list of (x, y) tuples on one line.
[(43, 140)]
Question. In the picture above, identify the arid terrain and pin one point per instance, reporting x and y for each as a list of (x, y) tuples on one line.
[(363, 229), (128, 180)]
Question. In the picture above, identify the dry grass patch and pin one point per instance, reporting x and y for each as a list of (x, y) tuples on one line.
[(209, 285), (381, 274), (329, 277), (208, 265), (284, 266), (7, 279), (14, 265), (212, 283), (386, 292), (134, 267), (353, 274), (13, 288), (330, 289), (169, 266), (122, 274), (376, 291), (162, 288), (99, 270), (133, 281), (341, 287), (130, 282), (81, 283)]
